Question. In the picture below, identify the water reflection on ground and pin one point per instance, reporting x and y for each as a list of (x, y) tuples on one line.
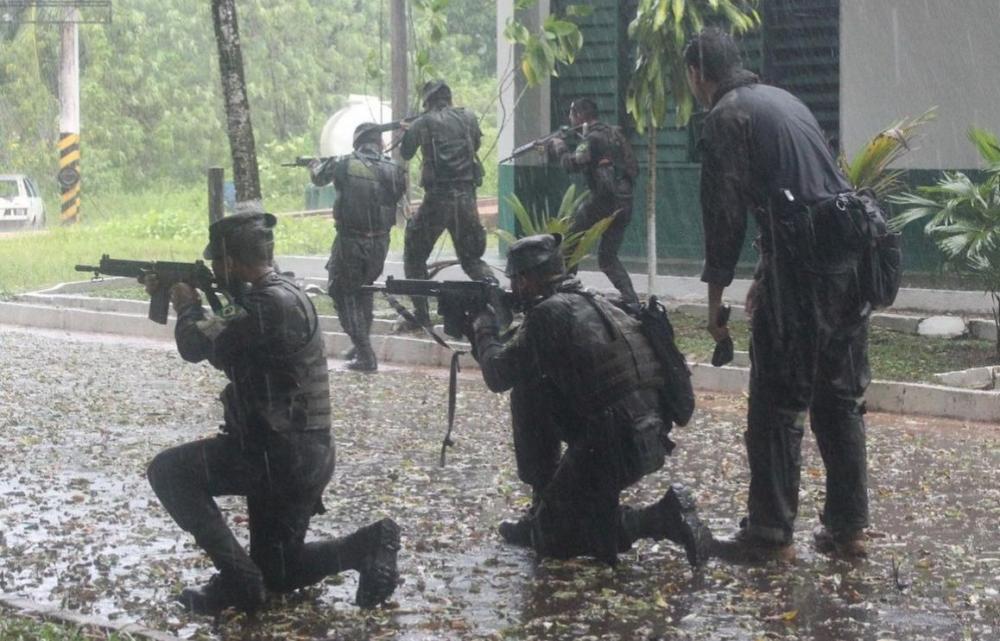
[(81, 527)]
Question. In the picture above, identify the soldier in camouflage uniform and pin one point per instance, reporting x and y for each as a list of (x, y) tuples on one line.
[(369, 187), (275, 447), (448, 138), (581, 373), (605, 158), (763, 152)]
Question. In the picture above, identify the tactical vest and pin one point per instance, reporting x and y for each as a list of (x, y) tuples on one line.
[(368, 188), (613, 167), (611, 357), (449, 150), (287, 388)]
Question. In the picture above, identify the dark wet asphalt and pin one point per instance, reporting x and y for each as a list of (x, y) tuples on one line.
[(80, 527)]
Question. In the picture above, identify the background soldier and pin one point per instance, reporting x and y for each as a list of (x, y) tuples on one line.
[(448, 138), (763, 151), (369, 187), (605, 158), (275, 447), (582, 373)]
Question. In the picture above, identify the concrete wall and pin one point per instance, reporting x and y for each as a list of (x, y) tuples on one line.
[(900, 57)]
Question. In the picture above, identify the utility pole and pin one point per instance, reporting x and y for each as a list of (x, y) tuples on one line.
[(400, 82), (69, 117), (69, 15), (234, 92)]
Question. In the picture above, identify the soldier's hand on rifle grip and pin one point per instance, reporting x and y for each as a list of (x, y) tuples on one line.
[(151, 282), (183, 295)]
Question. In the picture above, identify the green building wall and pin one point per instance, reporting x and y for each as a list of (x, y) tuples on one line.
[(797, 48)]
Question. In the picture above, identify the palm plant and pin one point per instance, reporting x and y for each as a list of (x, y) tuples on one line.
[(964, 219), (869, 169), (575, 246)]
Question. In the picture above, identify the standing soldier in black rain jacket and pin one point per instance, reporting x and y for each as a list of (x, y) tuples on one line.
[(764, 153), (448, 138), (605, 158), (275, 447), (369, 186), (581, 373)]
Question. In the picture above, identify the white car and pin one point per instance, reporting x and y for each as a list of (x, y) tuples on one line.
[(21, 203)]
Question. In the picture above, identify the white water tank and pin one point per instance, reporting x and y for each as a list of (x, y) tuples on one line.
[(337, 138)]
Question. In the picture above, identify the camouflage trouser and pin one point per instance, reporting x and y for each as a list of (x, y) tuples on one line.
[(590, 212), (577, 491), (809, 353), (453, 209), (355, 261), (283, 482)]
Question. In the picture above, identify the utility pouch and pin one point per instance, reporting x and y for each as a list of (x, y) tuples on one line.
[(678, 394)]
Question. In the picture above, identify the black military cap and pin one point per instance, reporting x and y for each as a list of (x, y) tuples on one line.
[(535, 251), (239, 229), (366, 131), (433, 88)]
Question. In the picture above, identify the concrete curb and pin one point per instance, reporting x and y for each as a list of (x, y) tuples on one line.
[(886, 396), (52, 613)]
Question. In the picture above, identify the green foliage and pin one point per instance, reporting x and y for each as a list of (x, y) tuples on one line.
[(869, 169), (15, 627), (660, 30), (152, 111), (575, 246), (557, 42), (963, 218)]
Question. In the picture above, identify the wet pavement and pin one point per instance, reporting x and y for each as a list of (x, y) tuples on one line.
[(79, 526)]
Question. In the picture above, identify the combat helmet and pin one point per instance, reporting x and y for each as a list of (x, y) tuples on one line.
[(542, 252)]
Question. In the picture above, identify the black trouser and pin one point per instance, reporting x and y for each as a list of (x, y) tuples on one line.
[(283, 483), (452, 208), (356, 260), (809, 353), (593, 210), (578, 510)]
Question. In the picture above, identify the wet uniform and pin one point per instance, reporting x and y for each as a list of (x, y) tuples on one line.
[(448, 138), (809, 335), (369, 186), (606, 161), (275, 448), (580, 373)]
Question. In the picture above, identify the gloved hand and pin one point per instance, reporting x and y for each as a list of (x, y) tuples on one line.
[(485, 322)]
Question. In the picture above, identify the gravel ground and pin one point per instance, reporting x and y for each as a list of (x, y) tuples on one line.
[(81, 416)]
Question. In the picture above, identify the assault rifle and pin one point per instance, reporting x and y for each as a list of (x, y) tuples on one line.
[(563, 132), (458, 300), (304, 161), (167, 274)]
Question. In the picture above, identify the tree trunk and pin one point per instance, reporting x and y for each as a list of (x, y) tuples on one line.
[(234, 91), (651, 213)]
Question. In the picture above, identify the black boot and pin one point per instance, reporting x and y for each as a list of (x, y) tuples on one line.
[(221, 592), (675, 518), (364, 361), (377, 572), (517, 532)]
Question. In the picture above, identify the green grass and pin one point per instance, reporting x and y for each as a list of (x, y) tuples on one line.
[(14, 627), (168, 225)]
